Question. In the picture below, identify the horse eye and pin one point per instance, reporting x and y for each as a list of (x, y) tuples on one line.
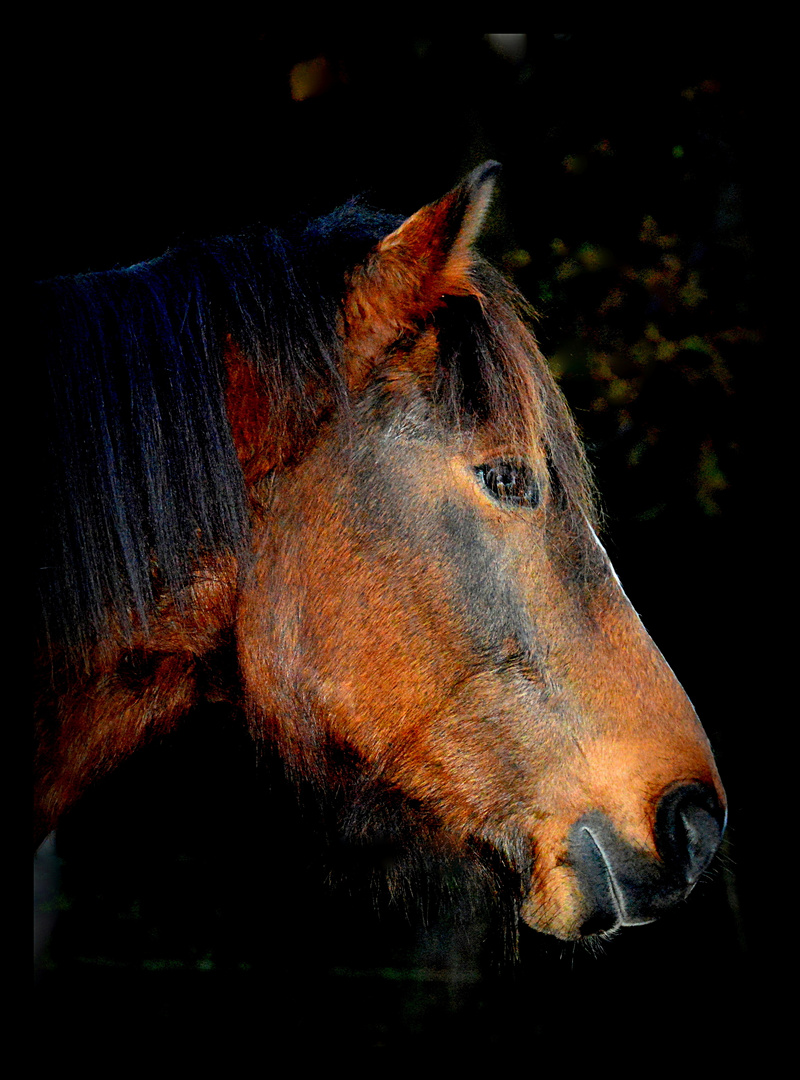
[(510, 482)]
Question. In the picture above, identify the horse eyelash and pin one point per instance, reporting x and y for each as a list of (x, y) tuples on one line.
[(510, 482)]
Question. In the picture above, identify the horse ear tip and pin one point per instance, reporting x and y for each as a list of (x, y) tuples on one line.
[(489, 170)]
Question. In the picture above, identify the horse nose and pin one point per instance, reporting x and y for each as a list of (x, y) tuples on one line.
[(621, 885), (690, 821)]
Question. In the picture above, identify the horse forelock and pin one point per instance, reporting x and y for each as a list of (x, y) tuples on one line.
[(492, 373)]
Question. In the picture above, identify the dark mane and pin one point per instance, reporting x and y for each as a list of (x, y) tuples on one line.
[(142, 478)]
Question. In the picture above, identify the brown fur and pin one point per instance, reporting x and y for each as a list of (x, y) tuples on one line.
[(478, 658)]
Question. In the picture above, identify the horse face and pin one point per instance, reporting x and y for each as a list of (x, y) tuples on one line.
[(426, 592), (482, 660)]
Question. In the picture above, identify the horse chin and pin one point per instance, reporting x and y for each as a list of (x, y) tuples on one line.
[(557, 915), (562, 910)]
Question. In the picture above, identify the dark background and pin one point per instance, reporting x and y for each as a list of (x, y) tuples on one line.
[(631, 211)]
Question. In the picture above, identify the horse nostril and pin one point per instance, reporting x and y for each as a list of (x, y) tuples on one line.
[(689, 825)]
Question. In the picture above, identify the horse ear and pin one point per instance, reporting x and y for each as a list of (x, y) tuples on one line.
[(413, 269)]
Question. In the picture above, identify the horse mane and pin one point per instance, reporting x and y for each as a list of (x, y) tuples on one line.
[(142, 480)]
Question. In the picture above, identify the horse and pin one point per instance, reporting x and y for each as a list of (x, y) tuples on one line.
[(325, 475)]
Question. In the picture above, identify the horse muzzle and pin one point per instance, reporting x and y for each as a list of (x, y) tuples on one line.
[(622, 885)]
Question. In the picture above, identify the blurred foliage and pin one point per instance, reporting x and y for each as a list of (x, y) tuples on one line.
[(654, 325), (643, 346)]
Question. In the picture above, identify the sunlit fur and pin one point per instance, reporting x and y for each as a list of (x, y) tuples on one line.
[(259, 458)]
